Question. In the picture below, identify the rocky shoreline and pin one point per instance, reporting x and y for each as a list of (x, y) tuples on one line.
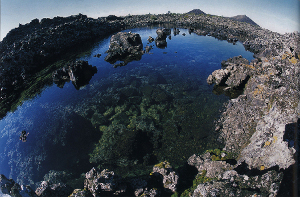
[(259, 127)]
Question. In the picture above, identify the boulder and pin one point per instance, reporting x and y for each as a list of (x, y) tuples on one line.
[(150, 39), (234, 74), (169, 176), (162, 33), (124, 46), (100, 182), (160, 40)]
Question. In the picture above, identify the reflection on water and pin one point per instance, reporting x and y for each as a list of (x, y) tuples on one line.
[(80, 73), (126, 118)]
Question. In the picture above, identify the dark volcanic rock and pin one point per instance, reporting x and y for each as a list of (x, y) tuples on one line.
[(57, 189), (79, 72), (113, 17), (100, 182), (10, 187), (235, 73), (169, 176), (31, 47), (243, 18), (196, 11), (217, 177), (160, 40), (124, 47)]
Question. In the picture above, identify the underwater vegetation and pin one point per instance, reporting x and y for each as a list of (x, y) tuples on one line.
[(152, 117)]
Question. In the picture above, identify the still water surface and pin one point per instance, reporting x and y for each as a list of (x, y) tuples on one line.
[(127, 118)]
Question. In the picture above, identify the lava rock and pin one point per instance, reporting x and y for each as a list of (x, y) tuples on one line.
[(124, 46), (169, 176), (235, 73), (98, 182)]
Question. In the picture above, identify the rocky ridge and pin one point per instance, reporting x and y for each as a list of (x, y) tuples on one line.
[(257, 127)]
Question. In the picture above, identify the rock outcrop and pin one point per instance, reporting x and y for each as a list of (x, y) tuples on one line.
[(100, 182), (126, 47), (57, 189), (217, 177), (233, 75), (169, 176), (255, 125), (160, 40)]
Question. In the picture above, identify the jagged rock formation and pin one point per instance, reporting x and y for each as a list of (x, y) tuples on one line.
[(234, 74), (160, 40), (216, 177), (169, 176), (124, 47), (98, 182), (254, 126)]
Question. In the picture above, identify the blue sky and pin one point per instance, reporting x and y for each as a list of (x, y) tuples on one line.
[(276, 15)]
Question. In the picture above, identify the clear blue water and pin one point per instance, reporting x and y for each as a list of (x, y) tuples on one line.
[(158, 108)]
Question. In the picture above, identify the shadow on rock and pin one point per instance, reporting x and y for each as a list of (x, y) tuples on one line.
[(290, 182)]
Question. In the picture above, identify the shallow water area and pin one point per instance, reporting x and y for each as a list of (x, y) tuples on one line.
[(126, 119)]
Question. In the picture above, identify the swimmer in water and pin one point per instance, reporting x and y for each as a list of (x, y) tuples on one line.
[(23, 136)]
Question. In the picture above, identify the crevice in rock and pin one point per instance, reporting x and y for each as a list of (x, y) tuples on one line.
[(243, 169), (243, 83), (291, 133), (290, 183), (187, 174)]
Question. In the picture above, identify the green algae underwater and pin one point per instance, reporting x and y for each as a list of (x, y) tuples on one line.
[(126, 119)]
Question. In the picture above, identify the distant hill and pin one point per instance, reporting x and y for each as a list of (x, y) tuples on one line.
[(196, 11), (243, 18)]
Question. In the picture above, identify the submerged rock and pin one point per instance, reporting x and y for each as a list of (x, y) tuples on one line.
[(57, 189), (11, 188)]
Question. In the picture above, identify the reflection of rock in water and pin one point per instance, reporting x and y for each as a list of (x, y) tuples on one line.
[(124, 47), (79, 72), (176, 31), (160, 40)]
